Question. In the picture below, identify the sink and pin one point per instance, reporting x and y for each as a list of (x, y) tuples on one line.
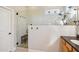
[(75, 42)]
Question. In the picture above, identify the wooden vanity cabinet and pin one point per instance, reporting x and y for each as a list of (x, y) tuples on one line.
[(70, 49), (66, 47), (74, 50)]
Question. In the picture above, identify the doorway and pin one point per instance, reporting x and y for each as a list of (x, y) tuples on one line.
[(22, 32)]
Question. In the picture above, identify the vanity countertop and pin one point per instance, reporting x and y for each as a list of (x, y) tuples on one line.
[(68, 38)]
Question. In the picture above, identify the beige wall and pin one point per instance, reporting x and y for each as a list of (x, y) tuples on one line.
[(39, 10), (37, 14), (22, 10)]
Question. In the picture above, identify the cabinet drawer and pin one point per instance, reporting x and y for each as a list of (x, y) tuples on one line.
[(65, 49), (69, 47)]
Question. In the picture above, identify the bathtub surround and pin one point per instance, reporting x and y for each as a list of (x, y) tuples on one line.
[(46, 37)]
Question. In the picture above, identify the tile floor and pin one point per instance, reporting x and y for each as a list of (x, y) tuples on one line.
[(20, 49)]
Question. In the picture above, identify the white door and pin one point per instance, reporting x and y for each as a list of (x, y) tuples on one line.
[(5, 30)]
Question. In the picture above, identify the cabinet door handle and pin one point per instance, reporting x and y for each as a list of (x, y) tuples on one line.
[(36, 27)]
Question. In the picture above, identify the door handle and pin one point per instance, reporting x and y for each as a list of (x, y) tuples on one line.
[(9, 33)]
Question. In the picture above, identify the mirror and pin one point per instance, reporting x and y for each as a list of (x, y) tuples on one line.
[(70, 15)]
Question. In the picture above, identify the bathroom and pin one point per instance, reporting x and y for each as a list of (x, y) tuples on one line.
[(47, 24), (39, 28)]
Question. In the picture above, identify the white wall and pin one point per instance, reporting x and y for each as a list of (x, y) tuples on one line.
[(46, 37)]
